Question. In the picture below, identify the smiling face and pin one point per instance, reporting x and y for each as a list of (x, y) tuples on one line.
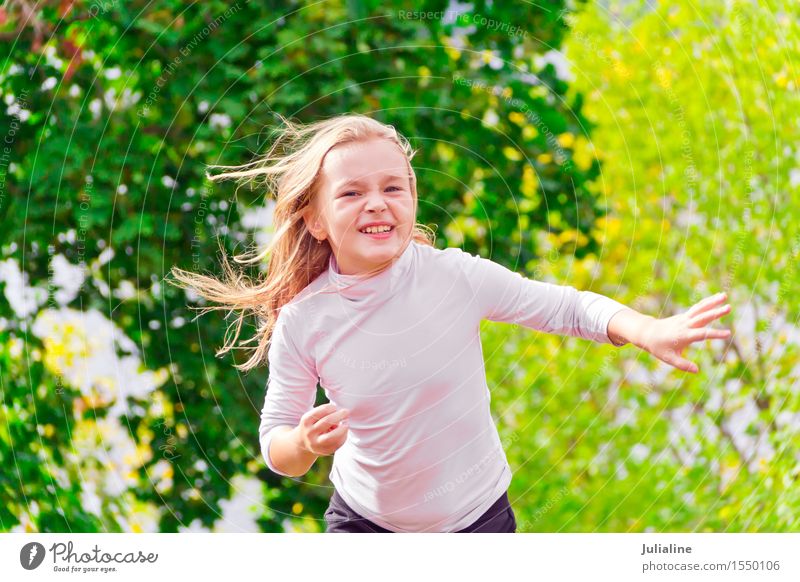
[(363, 183)]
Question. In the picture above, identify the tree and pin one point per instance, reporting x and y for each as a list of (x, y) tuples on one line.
[(113, 110), (688, 105)]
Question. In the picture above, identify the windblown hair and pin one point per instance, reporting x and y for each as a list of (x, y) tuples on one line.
[(289, 171)]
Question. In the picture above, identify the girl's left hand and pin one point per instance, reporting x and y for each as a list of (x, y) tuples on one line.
[(667, 338)]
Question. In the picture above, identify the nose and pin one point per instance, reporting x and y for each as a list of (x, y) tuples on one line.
[(375, 202)]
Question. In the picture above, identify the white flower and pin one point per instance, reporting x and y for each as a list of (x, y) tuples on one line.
[(95, 106), (162, 474), (90, 501), (105, 257), (640, 452), (260, 220), (107, 455), (490, 118), (559, 62), (67, 277), (239, 513), (113, 73), (24, 300), (139, 517), (110, 98), (219, 120), (195, 527), (794, 178), (125, 291), (92, 354)]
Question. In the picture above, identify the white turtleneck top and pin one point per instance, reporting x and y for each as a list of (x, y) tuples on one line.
[(401, 350)]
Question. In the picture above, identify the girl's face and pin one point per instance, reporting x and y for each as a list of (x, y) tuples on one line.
[(363, 183)]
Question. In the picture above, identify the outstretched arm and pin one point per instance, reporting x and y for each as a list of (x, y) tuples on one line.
[(501, 294), (667, 338)]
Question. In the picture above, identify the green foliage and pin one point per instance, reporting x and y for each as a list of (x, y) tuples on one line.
[(114, 110), (688, 104)]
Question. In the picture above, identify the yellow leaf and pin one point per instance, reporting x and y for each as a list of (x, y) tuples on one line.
[(424, 73), (453, 53), (529, 132), (530, 184), (664, 77), (446, 152), (566, 140), (517, 118), (582, 153), (566, 236)]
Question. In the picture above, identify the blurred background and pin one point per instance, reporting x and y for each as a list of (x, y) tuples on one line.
[(645, 150)]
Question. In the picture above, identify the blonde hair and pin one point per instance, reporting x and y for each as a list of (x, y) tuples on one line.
[(290, 171)]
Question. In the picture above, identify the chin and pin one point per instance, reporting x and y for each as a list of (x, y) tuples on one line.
[(377, 252), (382, 253)]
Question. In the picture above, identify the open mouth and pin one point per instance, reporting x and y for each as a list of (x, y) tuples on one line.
[(378, 231)]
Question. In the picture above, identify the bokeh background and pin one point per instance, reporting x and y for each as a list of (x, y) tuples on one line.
[(646, 150)]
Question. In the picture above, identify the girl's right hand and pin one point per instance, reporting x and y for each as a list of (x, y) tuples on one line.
[(324, 429)]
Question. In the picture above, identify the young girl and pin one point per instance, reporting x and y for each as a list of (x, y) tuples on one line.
[(358, 299)]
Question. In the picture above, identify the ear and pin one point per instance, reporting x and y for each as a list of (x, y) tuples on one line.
[(311, 218), (413, 179)]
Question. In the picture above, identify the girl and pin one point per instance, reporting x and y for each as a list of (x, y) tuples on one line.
[(358, 299)]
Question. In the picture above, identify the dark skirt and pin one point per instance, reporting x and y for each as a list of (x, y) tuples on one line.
[(340, 518)]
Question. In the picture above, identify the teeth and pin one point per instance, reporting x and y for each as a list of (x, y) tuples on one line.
[(377, 229)]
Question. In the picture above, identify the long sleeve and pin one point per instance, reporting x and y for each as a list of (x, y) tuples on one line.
[(291, 387), (504, 295)]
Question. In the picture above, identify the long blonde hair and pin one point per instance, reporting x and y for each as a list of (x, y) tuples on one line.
[(289, 171)]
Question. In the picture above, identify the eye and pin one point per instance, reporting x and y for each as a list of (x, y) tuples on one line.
[(348, 193), (395, 187)]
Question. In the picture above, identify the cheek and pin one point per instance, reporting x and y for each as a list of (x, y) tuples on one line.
[(403, 209), (409, 218), (345, 222)]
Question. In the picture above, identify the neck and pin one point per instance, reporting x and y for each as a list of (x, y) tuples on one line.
[(348, 269)]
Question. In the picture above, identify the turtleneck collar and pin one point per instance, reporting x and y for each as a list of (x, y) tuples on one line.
[(382, 285)]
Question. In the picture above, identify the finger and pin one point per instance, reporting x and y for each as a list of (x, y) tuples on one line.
[(330, 420), (708, 316), (334, 436), (681, 363), (313, 415), (706, 303), (708, 333)]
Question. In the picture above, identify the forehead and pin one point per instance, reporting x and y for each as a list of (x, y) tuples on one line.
[(362, 160)]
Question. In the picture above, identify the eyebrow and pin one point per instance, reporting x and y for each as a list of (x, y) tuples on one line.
[(359, 182)]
